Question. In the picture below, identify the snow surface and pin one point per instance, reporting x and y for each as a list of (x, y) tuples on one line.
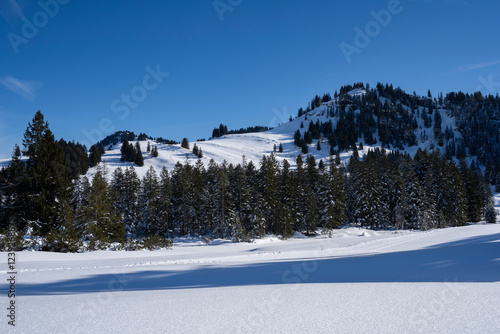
[(352, 281)]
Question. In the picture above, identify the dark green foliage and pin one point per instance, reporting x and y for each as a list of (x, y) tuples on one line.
[(102, 224), (133, 153), (94, 156), (269, 186), (297, 138), (66, 236), (119, 137), (154, 151), (76, 157), (39, 185), (222, 130), (139, 159), (304, 147), (143, 137), (5, 239), (308, 138), (185, 143), (149, 205), (472, 186), (490, 215), (287, 197), (127, 151), (241, 203), (161, 140), (156, 242), (197, 151)]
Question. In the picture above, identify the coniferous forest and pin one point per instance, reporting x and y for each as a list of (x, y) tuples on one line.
[(46, 194)]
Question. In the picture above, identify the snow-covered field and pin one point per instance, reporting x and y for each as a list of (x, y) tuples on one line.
[(354, 281)]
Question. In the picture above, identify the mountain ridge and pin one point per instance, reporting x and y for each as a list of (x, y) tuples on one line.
[(231, 148)]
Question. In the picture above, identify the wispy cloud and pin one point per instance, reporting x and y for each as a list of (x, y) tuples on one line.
[(26, 89), (472, 67), (450, 2), (10, 10)]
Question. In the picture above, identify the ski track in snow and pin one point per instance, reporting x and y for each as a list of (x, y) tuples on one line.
[(363, 247), (356, 281)]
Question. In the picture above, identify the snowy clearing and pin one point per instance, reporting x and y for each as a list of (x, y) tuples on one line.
[(356, 281)]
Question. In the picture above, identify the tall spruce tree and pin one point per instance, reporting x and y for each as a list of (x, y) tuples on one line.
[(165, 199), (103, 225), (47, 180), (149, 205), (472, 191), (139, 159), (269, 180), (287, 198)]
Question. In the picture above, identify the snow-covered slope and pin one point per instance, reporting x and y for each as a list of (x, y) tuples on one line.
[(232, 148), (356, 281)]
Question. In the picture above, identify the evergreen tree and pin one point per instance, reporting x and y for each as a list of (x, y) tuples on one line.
[(269, 180), (185, 143), (80, 203), (154, 151), (165, 199), (197, 151), (46, 183), (257, 202), (149, 205), (472, 192), (182, 198), (220, 201), (304, 147), (103, 225), (139, 159), (94, 156), (15, 199), (287, 197), (133, 152), (125, 193), (297, 138), (490, 215), (305, 211), (244, 199), (418, 210), (64, 237), (366, 205)]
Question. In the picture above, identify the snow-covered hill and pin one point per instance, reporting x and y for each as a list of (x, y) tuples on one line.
[(232, 148)]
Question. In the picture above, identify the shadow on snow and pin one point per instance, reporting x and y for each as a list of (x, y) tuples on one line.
[(474, 259)]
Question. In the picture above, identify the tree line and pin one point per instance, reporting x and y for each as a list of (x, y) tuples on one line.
[(222, 130), (43, 194), (240, 202)]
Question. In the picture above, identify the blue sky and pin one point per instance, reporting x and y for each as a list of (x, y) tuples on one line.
[(94, 66)]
